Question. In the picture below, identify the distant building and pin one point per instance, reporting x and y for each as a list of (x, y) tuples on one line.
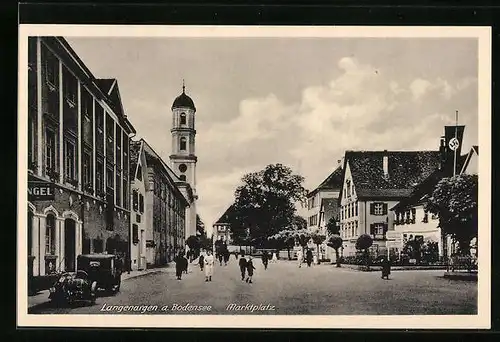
[(159, 206), (373, 182), (78, 142), (222, 227)]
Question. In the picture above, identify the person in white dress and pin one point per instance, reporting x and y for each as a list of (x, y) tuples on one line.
[(300, 257), (275, 258), (209, 265)]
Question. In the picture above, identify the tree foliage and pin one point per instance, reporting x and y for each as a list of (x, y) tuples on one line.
[(454, 200), (265, 203), (331, 227), (335, 242), (364, 242)]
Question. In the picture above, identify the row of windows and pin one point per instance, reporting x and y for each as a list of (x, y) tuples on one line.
[(348, 189), (349, 210), (349, 230), (313, 220), (410, 217), (311, 203), (118, 145)]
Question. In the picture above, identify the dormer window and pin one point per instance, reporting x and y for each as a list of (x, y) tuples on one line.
[(183, 118), (183, 142)]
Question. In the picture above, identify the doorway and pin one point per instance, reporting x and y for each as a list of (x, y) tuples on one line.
[(69, 245)]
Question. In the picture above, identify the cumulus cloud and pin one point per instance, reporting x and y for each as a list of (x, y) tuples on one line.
[(362, 108)]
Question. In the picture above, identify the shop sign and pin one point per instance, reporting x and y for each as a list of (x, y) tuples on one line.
[(41, 191)]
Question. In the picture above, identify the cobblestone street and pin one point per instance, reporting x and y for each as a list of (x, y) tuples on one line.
[(285, 289)]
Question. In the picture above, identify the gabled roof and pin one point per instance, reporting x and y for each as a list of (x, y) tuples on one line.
[(110, 87), (333, 181), (406, 169), (465, 159), (422, 191), (226, 217)]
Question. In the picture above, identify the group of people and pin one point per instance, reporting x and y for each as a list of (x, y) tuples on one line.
[(246, 265), (308, 257)]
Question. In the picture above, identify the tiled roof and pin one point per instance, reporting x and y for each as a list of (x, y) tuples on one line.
[(405, 170), (225, 218), (424, 189), (135, 148), (333, 181)]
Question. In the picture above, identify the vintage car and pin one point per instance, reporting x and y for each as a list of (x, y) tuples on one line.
[(105, 269), (74, 287)]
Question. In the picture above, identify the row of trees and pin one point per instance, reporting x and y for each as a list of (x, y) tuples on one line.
[(264, 211)]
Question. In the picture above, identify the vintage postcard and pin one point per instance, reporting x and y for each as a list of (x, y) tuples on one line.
[(262, 177)]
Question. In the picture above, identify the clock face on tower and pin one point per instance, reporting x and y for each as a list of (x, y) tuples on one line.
[(182, 168)]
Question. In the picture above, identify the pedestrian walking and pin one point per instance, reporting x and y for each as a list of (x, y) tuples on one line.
[(386, 268), (209, 265), (275, 258), (236, 255), (243, 265), (180, 265), (300, 257), (221, 257), (250, 268), (201, 261), (226, 257), (265, 259), (309, 257)]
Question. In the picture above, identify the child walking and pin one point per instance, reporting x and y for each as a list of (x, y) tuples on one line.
[(250, 268)]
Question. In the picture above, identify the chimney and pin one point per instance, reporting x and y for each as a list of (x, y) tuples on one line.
[(385, 163)]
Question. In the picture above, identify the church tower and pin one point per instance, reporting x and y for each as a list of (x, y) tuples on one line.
[(183, 158)]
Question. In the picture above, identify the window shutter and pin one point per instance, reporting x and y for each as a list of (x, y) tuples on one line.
[(385, 209), (372, 228), (386, 227), (372, 208)]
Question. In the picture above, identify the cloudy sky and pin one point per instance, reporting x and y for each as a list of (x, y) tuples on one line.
[(297, 101)]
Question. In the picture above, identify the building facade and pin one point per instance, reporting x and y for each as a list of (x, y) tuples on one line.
[(160, 205), (183, 158), (222, 227), (373, 182), (78, 142)]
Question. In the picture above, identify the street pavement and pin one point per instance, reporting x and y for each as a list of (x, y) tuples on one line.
[(284, 289)]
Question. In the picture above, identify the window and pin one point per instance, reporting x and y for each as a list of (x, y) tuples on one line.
[(50, 235), (183, 118), (135, 233), (87, 171), (70, 87), (139, 172), (50, 150), (141, 203), (69, 160), (135, 200), (109, 178), (378, 208), (118, 189), (182, 178), (356, 208), (348, 188), (99, 174), (426, 217), (51, 69), (126, 199), (183, 141), (378, 230)]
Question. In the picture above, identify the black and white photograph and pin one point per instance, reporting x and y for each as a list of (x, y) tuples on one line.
[(254, 176)]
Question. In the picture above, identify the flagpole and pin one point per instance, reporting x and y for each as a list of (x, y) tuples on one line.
[(455, 152)]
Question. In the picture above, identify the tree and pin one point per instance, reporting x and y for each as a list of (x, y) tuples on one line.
[(364, 242), (331, 226), (335, 241), (265, 202), (200, 226), (318, 239), (193, 243), (454, 200)]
